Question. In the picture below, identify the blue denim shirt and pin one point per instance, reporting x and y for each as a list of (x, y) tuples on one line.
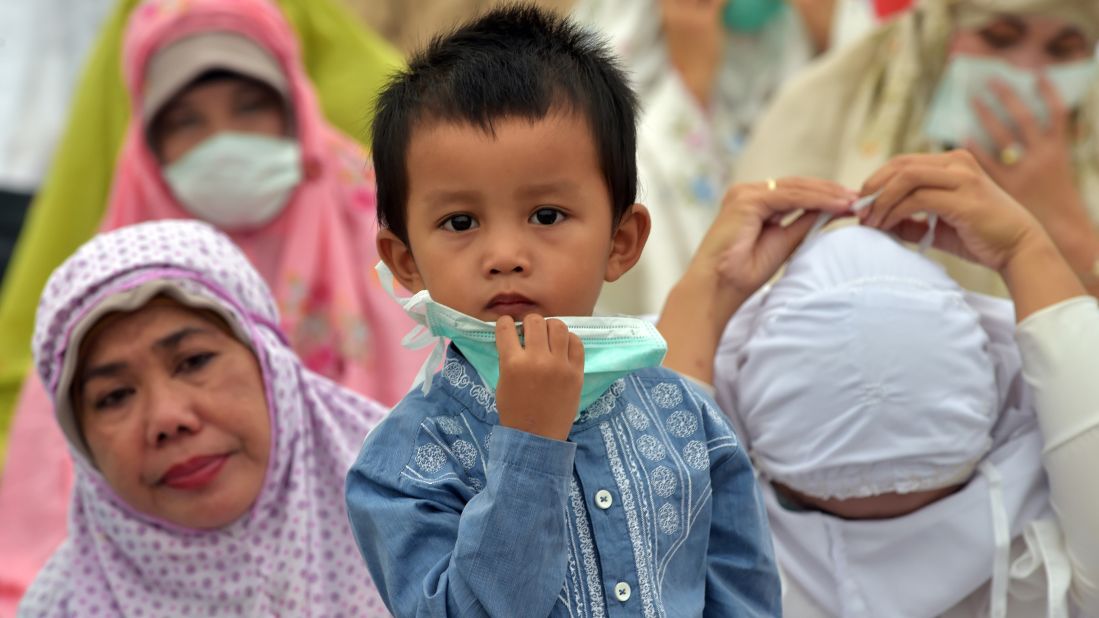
[(649, 509)]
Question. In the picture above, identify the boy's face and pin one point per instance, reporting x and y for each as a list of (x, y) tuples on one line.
[(514, 223)]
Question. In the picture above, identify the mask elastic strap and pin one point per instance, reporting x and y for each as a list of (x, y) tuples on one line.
[(420, 336), (1002, 538), (864, 202), (824, 219)]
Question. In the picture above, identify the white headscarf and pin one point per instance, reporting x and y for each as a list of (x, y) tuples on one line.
[(866, 370)]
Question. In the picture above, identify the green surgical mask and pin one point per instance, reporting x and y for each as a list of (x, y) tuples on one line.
[(750, 16), (613, 346)]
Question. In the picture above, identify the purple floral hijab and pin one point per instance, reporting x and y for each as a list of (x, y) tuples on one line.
[(293, 553)]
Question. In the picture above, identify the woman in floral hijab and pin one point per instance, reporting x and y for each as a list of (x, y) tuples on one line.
[(229, 500)]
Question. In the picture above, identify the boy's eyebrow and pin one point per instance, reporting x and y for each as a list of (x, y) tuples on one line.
[(557, 187), (441, 198)]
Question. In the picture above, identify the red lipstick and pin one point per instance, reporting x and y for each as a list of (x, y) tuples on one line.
[(195, 473)]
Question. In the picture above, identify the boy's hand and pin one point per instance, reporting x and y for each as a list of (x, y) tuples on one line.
[(540, 380)]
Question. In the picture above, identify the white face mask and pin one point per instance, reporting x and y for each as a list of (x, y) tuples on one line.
[(237, 181), (951, 118)]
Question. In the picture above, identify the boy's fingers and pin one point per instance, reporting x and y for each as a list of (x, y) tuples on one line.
[(558, 337), (507, 338), (534, 333), (576, 351)]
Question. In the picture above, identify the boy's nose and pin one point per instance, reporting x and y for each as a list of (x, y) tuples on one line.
[(506, 254)]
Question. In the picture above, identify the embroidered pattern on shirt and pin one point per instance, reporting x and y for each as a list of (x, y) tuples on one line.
[(583, 534), (641, 560), (605, 404), (455, 373)]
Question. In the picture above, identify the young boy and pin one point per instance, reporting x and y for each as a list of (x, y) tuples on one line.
[(506, 186)]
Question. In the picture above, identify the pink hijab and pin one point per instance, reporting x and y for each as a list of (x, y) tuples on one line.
[(293, 553), (318, 254)]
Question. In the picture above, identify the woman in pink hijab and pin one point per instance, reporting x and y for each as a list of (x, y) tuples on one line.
[(226, 129)]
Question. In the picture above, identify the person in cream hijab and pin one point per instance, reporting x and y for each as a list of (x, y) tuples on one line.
[(910, 86)]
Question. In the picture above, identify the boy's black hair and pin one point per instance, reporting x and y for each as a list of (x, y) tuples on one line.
[(516, 61)]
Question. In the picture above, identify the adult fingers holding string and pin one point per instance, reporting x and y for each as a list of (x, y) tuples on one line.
[(977, 220)]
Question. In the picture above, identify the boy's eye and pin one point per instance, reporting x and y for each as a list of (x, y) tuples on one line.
[(194, 362), (113, 399), (547, 216), (459, 223)]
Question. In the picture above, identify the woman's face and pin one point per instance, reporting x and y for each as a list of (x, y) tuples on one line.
[(173, 410), (207, 107), (1027, 41)]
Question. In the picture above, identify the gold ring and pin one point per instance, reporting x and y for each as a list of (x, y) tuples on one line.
[(1012, 154), (772, 184)]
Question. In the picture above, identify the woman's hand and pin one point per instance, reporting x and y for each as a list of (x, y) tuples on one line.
[(1033, 164), (977, 220), (744, 247), (695, 40), (748, 243)]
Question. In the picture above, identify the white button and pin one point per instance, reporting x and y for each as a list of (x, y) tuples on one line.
[(622, 591), (603, 499)]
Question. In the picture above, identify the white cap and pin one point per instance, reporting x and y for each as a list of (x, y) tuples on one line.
[(178, 64)]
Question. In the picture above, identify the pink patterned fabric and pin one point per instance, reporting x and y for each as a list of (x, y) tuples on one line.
[(318, 255), (293, 553)]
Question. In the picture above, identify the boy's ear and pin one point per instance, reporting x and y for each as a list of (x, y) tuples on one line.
[(398, 257), (628, 241)]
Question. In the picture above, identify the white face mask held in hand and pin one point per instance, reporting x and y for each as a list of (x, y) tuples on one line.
[(951, 118), (237, 181), (613, 346), (865, 370)]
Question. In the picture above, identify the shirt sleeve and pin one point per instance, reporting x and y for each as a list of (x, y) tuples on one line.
[(435, 548), (1060, 351), (741, 574)]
